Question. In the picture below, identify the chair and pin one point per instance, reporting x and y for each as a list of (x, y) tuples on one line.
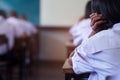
[(5, 65), (24, 49), (20, 53)]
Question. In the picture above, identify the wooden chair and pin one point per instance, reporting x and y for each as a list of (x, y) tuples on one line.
[(5, 63), (24, 49), (15, 57), (20, 54), (36, 46)]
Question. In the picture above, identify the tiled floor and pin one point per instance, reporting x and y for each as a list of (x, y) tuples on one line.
[(46, 71)]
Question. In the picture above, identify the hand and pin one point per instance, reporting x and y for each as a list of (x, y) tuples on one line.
[(96, 21)]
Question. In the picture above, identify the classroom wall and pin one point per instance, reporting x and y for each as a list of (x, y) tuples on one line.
[(61, 12), (52, 44), (56, 13), (28, 7)]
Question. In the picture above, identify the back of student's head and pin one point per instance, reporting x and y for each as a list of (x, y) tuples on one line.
[(87, 10), (13, 14), (3, 13), (110, 9), (24, 17)]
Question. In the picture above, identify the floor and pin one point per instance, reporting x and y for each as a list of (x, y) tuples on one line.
[(42, 71), (45, 71)]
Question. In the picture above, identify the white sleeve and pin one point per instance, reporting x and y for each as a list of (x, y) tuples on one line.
[(96, 54), (19, 32), (81, 63)]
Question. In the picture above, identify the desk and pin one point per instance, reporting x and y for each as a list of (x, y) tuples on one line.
[(70, 47), (69, 73)]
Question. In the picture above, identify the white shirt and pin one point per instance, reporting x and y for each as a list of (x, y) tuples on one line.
[(100, 55), (17, 26), (80, 31), (8, 30), (28, 27)]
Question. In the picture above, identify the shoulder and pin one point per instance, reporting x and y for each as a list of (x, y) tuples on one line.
[(85, 22), (103, 40)]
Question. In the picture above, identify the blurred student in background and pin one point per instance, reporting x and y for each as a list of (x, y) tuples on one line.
[(28, 26), (14, 21), (82, 29), (7, 30), (21, 23), (31, 32)]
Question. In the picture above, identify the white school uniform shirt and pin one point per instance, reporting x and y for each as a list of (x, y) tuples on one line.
[(8, 30), (28, 27), (100, 55), (80, 31), (17, 26)]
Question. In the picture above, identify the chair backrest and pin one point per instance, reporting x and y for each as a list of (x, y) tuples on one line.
[(4, 40)]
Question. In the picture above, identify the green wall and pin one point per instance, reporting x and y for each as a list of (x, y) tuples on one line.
[(28, 7)]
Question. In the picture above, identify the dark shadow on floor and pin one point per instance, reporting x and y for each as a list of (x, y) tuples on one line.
[(45, 70)]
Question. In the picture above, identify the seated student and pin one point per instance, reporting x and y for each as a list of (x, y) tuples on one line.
[(29, 27), (11, 32), (22, 25), (82, 29), (31, 33), (100, 53), (8, 30), (14, 21)]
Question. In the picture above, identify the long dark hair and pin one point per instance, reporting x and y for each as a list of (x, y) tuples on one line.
[(3, 13), (13, 13), (87, 10), (110, 9)]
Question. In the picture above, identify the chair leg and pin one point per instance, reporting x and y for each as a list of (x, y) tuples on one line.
[(68, 76), (9, 73), (76, 77), (1, 77), (21, 71)]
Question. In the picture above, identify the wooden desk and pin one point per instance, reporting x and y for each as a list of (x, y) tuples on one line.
[(70, 47), (69, 73)]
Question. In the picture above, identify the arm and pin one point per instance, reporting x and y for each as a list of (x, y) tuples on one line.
[(80, 63)]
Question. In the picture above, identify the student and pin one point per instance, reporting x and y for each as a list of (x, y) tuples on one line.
[(32, 33), (100, 53), (82, 29), (7, 30), (14, 21), (28, 26)]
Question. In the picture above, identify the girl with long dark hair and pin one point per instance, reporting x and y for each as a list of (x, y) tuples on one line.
[(100, 53)]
